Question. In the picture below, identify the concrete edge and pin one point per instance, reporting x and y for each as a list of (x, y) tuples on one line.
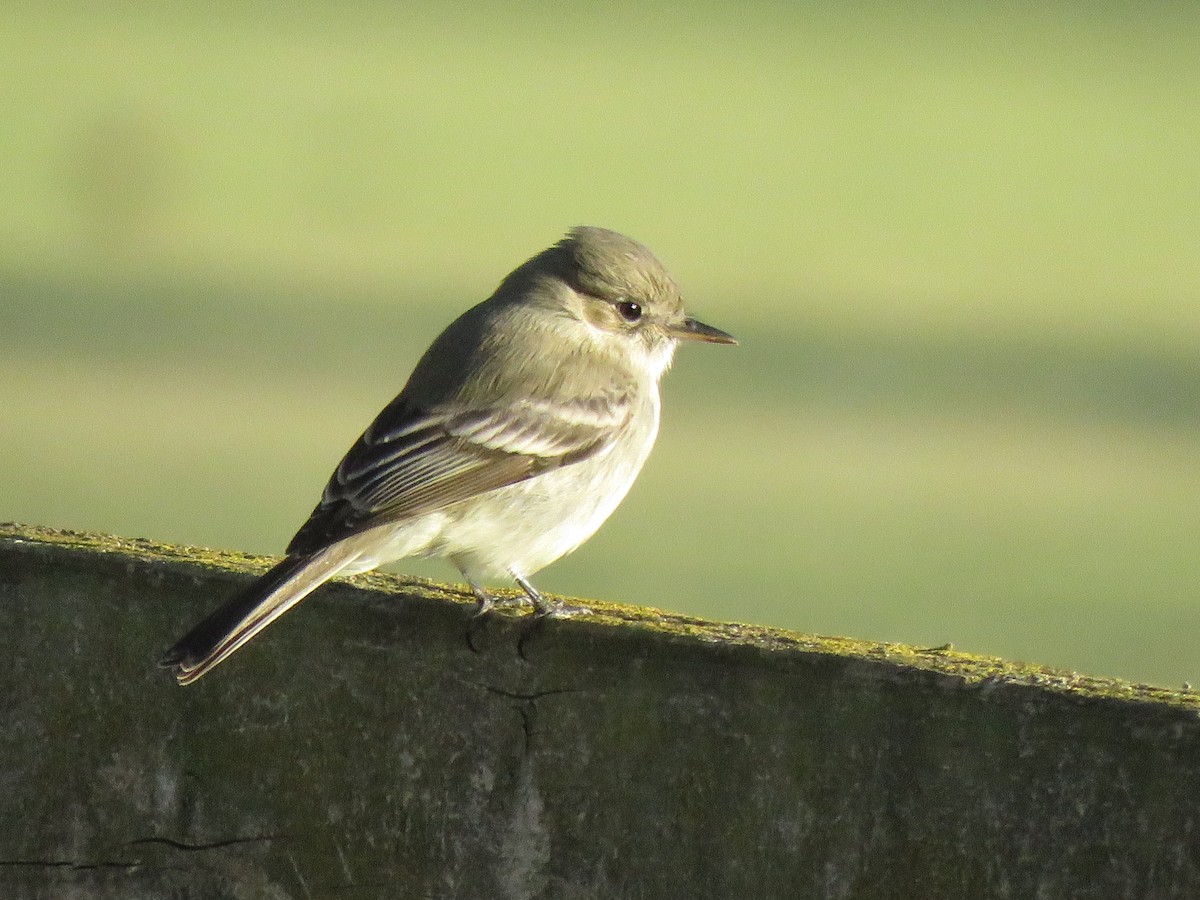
[(901, 661)]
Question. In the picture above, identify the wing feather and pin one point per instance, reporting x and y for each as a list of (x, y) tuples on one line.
[(412, 461)]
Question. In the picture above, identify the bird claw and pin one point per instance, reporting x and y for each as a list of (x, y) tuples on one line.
[(554, 609)]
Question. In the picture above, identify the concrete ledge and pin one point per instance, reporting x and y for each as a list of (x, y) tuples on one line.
[(359, 748)]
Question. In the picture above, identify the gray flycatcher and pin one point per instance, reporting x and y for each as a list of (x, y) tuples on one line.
[(518, 433)]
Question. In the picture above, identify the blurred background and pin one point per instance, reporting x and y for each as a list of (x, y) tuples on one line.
[(960, 246)]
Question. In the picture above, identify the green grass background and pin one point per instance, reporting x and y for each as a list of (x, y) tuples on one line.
[(960, 245)]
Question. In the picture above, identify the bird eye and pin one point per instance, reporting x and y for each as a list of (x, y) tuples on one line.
[(629, 310)]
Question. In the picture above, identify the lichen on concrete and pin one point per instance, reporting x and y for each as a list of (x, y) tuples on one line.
[(364, 747)]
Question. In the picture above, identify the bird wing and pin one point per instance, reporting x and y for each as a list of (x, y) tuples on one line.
[(412, 461)]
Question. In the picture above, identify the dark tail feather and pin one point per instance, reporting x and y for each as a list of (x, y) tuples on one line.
[(205, 636), (250, 611)]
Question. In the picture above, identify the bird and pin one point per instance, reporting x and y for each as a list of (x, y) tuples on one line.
[(517, 434)]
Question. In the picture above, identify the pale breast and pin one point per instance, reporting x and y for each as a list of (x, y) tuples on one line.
[(526, 526)]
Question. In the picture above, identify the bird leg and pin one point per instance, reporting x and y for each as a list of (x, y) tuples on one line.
[(486, 602), (543, 608)]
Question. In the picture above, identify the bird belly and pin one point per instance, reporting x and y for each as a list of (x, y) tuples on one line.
[(524, 527), (397, 540)]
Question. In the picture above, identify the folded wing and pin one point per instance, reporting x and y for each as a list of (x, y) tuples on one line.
[(413, 461)]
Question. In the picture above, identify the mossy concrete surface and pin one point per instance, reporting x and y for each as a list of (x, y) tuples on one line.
[(362, 747)]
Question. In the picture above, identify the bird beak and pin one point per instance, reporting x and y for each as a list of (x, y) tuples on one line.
[(692, 330)]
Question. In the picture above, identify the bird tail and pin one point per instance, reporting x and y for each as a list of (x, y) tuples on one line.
[(251, 610)]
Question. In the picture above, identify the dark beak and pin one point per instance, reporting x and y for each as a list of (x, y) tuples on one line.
[(692, 330)]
